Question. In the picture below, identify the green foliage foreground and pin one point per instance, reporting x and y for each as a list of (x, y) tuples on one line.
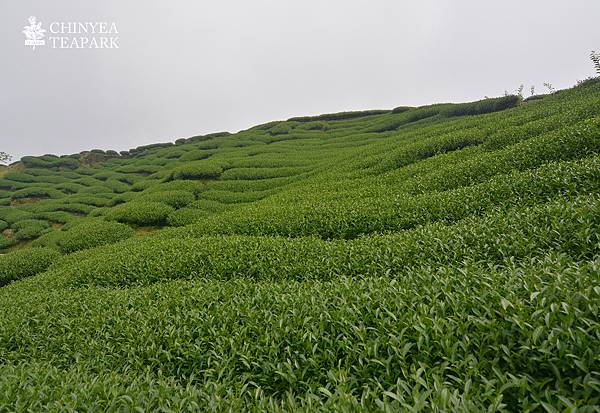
[(442, 258)]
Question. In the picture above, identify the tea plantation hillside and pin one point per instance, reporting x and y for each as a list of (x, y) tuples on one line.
[(436, 258)]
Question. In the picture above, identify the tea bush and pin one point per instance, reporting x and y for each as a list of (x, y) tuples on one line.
[(186, 216), (142, 213), (226, 197), (13, 215), (198, 170), (70, 187), (6, 242), (174, 198), (25, 263), (260, 173), (59, 217), (195, 155), (92, 234), (339, 116), (282, 128), (29, 229), (34, 192), (483, 106), (19, 177), (29, 222), (402, 109), (208, 205)]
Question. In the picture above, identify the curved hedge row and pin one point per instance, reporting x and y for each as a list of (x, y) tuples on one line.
[(565, 226), (483, 106), (25, 263), (186, 216), (29, 228), (198, 170), (350, 217), (261, 173), (6, 242), (174, 198), (142, 213), (93, 234)]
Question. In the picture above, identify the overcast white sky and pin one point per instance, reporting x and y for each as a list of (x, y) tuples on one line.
[(188, 67)]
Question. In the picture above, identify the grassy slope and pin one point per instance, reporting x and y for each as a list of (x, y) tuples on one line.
[(389, 261)]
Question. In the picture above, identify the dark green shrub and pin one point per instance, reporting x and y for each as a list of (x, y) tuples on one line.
[(227, 197), (318, 125), (96, 189), (75, 208), (402, 109), (49, 179), (188, 185), (11, 185), (281, 128), (144, 149), (6, 242), (30, 222), (68, 163), (260, 173), (423, 113), (185, 216), (208, 145), (70, 187), (19, 177), (88, 181), (12, 215), (201, 138), (142, 213), (37, 192), (35, 162), (198, 170), (534, 97), (104, 175), (29, 229), (122, 198), (3, 225), (139, 169), (340, 115), (25, 263), (116, 186), (403, 118), (49, 161), (98, 212), (483, 106), (92, 234), (175, 198), (87, 200), (44, 172), (60, 217), (209, 205), (195, 155), (174, 154)]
